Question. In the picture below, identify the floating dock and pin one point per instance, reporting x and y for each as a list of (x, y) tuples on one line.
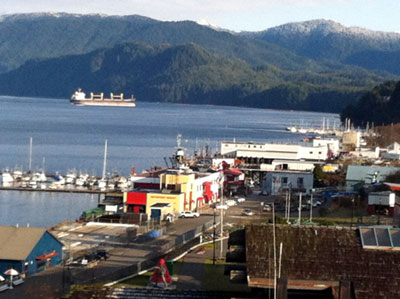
[(72, 190)]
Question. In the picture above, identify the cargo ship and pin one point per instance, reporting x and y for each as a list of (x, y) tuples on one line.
[(116, 100)]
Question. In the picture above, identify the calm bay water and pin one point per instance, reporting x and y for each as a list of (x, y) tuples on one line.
[(69, 137)]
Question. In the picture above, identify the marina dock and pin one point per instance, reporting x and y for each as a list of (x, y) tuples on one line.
[(64, 190)]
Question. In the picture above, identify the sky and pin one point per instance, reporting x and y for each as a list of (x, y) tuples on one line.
[(236, 15)]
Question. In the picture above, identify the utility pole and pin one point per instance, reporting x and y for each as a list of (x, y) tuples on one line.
[(286, 205), (300, 208), (290, 194), (352, 211), (274, 243), (311, 205), (214, 239), (222, 213)]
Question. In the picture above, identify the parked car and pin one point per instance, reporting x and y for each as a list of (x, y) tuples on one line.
[(221, 207), (247, 212), (230, 203), (240, 199), (267, 208), (315, 203), (189, 214)]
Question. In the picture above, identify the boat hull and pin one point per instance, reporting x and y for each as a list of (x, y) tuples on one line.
[(113, 103)]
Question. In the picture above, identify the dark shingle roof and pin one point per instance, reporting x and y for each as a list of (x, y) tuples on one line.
[(324, 254)]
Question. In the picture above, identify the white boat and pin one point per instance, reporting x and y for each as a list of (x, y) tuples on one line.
[(302, 131), (39, 177), (102, 184), (118, 100), (33, 183), (17, 174), (59, 180), (123, 183), (70, 177), (91, 181), (7, 177), (81, 180), (291, 129)]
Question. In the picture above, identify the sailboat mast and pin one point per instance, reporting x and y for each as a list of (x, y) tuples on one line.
[(30, 154), (105, 159)]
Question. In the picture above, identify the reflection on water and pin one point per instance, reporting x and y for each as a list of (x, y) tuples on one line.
[(42, 209)]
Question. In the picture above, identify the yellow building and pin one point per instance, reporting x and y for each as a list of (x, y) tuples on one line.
[(178, 192)]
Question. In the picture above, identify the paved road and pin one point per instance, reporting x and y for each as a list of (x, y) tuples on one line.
[(50, 283), (191, 274)]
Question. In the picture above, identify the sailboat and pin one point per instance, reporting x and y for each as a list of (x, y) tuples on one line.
[(102, 184)]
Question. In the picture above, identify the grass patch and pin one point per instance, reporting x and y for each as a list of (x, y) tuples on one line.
[(84, 287), (207, 246), (215, 280)]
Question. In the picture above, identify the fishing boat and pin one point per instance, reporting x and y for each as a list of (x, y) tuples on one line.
[(117, 100)]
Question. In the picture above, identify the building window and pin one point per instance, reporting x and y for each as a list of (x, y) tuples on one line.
[(284, 180), (300, 182), (320, 153), (255, 146), (311, 152)]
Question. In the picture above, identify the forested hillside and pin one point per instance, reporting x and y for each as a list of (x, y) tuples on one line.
[(185, 74), (380, 106)]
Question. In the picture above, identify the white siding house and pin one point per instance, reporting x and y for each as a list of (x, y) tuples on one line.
[(277, 182)]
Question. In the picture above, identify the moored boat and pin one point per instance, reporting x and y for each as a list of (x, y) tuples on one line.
[(7, 177)]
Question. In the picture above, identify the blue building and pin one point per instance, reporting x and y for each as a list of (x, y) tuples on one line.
[(28, 250)]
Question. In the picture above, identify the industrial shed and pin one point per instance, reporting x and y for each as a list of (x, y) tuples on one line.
[(28, 250)]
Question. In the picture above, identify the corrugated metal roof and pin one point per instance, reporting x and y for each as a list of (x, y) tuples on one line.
[(18, 242)]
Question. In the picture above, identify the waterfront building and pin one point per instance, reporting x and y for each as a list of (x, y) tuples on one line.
[(178, 191), (257, 153), (28, 250), (332, 144)]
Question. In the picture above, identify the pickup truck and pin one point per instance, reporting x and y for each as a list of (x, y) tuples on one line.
[(189, 214)]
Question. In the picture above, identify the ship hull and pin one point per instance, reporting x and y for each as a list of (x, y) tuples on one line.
[(107, 103)]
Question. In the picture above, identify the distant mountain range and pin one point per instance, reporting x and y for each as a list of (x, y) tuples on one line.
[(317, 65), (325, 40)]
